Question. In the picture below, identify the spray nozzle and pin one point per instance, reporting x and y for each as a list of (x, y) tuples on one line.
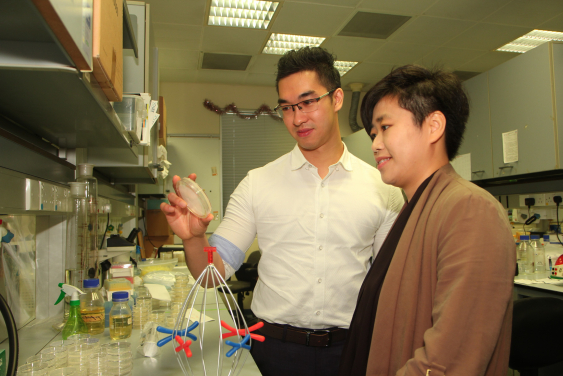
[(69, 289)]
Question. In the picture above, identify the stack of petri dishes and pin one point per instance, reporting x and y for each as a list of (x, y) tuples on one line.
[(34, 369), (48, 359), (98, 364), (66, 371), (142, 309), (119, 358), (59, 350), (80, 352), (178, 295), (160, 316)]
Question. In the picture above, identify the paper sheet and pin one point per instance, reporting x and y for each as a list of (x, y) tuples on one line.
[(462, 165), (158, 291), (196, 316), (510, 146)]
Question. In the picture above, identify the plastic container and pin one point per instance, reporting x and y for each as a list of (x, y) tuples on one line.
[(65, 371), (33, 369), (525, 256), (153, 265), (129, 110), (120, 316), (539, 255), (92, 307), (195, 197), (49, 359)]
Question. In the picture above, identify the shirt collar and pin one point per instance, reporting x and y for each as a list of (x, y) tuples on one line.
[(298, 160)]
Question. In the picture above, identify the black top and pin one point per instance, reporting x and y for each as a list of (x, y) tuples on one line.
[(355, 354)]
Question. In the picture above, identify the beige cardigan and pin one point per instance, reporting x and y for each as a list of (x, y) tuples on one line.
[(446, 302)]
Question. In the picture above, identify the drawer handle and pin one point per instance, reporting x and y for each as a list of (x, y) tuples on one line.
[(503, 167), (478, 172)]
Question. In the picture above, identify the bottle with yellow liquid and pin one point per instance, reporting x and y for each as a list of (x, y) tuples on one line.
[(92, 307), (120, 318)]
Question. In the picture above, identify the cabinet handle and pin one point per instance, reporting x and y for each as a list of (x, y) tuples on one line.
[(503, 167), (478, 172)]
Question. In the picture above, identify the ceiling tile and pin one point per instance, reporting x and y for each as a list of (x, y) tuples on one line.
[(345, 3), (311, 19), (471, 10), (430, 30), (264, 63), (233, 40), (177, 36), (527, 13), (261, 79), (403, 7), (366, 73), (450, 58), (177, 75), (178, 59), (487, 61), (488, 37), (178, 11), (352, 48), (400, 53), (221, 77), (554, 24)]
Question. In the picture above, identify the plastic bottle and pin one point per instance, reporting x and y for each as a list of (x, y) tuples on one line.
[(523, 253), (74, 323), (120, 318), (92, 307), (539, 255)]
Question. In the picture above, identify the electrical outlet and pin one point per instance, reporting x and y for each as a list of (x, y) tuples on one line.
[(549, 198), (540, 199)]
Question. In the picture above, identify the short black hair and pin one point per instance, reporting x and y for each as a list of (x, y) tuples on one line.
[(422, 91), (314, 59)]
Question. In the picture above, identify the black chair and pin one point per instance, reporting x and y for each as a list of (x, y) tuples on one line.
[(535, 340), (247, 276)]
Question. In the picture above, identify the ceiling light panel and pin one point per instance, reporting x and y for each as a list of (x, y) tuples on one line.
[(250, 14), (279, 44), (531, 40), (344, 66)]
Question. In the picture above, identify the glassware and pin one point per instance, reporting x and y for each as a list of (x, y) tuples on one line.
[(120, 316), (85, 175), (92, 307), (539, 255)]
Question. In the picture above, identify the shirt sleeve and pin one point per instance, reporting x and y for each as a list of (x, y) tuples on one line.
[(395, 203), (237, 231), (471, 301)]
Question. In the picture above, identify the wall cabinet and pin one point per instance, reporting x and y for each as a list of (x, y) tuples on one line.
[(477, 138), (525, 94)]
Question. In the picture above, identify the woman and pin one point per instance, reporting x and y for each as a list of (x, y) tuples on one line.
[(438, 298)]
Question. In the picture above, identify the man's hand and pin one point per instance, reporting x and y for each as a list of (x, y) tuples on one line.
[(181, 220)]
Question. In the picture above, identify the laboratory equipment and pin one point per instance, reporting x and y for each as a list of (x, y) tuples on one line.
[(74, 324), (92, 306), (522, 255), (143, 307), (195, 197), (85, 175), (539, 255), (184, 332), (120, 317), (77, 237)]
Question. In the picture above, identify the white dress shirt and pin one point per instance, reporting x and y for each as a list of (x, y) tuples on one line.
[(317, 236)]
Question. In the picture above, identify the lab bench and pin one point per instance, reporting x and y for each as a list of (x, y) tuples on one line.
[(35, 336)]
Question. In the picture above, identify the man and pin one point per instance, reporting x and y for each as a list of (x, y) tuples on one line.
[(320, 215), (438, 300)]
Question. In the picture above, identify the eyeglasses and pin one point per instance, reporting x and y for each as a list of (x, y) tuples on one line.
[(306, 106)]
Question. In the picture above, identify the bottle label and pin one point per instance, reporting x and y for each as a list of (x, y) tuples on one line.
[(93, 317)]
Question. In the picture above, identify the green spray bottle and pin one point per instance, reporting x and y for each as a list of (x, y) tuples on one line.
[(74, 323)]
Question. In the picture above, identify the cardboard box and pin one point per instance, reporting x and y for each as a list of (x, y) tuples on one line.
[(157, 224), (108, 47), (162, 120)]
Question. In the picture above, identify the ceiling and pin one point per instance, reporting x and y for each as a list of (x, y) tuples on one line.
[(460, 35)]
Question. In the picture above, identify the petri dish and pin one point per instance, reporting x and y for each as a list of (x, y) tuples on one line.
[(195, 197)]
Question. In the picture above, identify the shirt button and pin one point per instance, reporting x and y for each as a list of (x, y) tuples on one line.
[(322, 185), (318, 313), (319, 280), (322, 215), (310, 166), (320, 248), (336, 168)]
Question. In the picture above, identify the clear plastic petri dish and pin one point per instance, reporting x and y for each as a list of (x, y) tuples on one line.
[(65, 371), (34, 369), (50, 359), (195, 197)]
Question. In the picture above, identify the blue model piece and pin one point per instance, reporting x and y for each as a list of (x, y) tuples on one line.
[(181, 333), (237, 346)]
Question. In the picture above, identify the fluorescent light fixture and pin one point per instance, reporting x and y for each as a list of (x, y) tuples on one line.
[(531, 40), (250, 14), (344, 66), (279, 44)]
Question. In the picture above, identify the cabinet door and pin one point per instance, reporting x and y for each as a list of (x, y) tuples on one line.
[(134, 67), (477, 137), (521, 99)]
